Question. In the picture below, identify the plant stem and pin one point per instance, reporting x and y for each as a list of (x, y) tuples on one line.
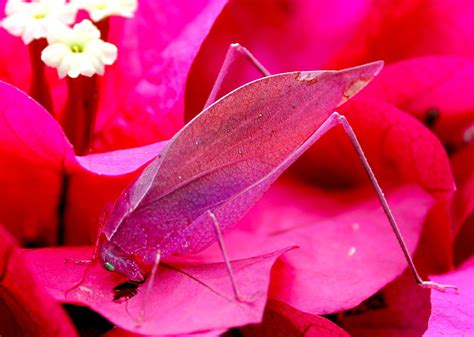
[(78, 119)]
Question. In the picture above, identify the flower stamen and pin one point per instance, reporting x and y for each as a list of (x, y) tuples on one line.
[(76, 48)]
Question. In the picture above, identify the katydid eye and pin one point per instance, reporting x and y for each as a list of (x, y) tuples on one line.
[(109, 266)]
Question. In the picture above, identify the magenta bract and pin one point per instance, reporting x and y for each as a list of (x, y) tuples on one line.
[(187, 296), (451, 314)]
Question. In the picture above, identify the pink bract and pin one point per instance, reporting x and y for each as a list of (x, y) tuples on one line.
[(192, 296), (451, 314), (401, 308), (25, 307)]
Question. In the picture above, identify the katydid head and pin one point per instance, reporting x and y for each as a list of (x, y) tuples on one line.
[(116, 260)]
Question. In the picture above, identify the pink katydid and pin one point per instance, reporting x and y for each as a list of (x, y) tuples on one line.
[(213, 170)]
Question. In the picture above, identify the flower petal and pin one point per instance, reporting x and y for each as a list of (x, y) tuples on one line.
[(193, 297), (33, 150), (402, 307), (26, 309), (451, 314), (440, 99), (392, 31)]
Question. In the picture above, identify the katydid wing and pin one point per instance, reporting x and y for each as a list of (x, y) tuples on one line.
[(222, 161)]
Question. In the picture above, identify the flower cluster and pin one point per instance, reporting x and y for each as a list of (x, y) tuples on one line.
[(73, 50)]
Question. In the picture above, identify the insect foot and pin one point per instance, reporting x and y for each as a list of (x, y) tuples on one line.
[(79, 261), (440, 287), (248, 299)]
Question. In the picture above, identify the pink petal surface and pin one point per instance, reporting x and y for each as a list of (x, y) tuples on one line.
[(157, 49), (26, 309), (445, 92), (186, 297), (24, 124), (462, 163), (33, 150), (451, 314), (120, 162), (341, 259), (282, 320), (398, 30), (214, 161), (401, 308)]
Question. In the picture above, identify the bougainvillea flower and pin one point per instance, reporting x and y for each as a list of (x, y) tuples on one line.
[(26, 309), (191, 296), (401, 150)]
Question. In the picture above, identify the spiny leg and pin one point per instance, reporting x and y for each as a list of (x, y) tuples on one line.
[(386, 208), (220, 241), (235, 50)]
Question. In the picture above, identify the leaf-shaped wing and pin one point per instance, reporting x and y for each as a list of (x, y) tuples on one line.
[(226, 157)]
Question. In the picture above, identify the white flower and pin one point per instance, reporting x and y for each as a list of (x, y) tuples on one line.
[(99, 9), (31, 20), (78, 50)]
